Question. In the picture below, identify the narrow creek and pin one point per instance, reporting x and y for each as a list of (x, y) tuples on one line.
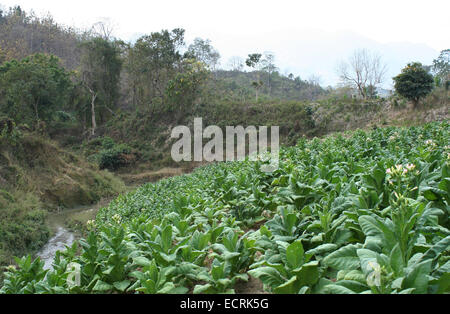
[(61, 235), (57, 221)]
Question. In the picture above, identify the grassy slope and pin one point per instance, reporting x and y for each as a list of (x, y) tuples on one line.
[(36, 176)]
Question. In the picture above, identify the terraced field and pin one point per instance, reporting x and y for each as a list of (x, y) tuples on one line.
[(360, 212)]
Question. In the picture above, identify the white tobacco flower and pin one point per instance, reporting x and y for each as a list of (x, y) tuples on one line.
[(374, 278), (430, 143), (116, 218), (90, 224), (11, 268)]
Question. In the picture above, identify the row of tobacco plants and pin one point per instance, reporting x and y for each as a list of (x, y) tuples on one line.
[(361, 212)]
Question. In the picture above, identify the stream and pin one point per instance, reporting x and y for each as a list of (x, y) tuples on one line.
[(61, 235), (57, 221)]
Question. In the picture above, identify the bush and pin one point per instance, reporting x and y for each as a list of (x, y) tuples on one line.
[(108, 154), (115, 157)]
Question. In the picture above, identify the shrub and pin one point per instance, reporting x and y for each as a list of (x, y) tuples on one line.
[(115, 157)]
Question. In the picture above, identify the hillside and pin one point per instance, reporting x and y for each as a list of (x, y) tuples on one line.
[(358, 212), (147, 134), (37, 177)]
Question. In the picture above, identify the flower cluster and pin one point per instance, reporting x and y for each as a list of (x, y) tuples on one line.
[(10, 268), (400, 170), (430, 143), (116, 218), (374, 278), (90, 224)]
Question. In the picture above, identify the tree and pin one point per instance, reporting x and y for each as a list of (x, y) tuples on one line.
[(34, 88), (100, 74), (203, 51), (441, 67), (362, 70), (23, 34), (103, 29), (268, 66), (414, 82), (152, 62), (186, 86), (254, 61), (236, 64)]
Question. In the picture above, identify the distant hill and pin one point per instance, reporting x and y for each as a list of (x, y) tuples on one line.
[(315, 52)]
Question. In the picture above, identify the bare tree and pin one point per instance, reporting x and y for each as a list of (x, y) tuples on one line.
[(203, 51), (236, 63), (364, 71), (315, 80), (104, 29), (269, 67)]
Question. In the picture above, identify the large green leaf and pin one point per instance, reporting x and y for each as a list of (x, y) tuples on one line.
[(122, 285), (289, 287), (101, 286), (396, 260), (337, 289), (417, 277), (294, 254), (344, 258), (267, 275), (308, 274)]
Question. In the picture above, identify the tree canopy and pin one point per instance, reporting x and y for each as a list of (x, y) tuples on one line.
[(414, 82), (33, 88)]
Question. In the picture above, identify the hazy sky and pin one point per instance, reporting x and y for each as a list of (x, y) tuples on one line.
[(307, 37)]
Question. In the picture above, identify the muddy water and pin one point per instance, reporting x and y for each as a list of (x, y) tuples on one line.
[(62, 236)]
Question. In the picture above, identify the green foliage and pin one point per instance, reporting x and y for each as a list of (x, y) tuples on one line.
[(101, 68), (414, 82), (186, 86), (114, 157), (108, 154), (152, 63), (34, 88), (203, 51), (9, 133), (289, 271), (362, 213), (441, 66)]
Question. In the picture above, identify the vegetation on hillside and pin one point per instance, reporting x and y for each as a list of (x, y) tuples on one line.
[(134, 93), (362, 212), (36, 176)]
